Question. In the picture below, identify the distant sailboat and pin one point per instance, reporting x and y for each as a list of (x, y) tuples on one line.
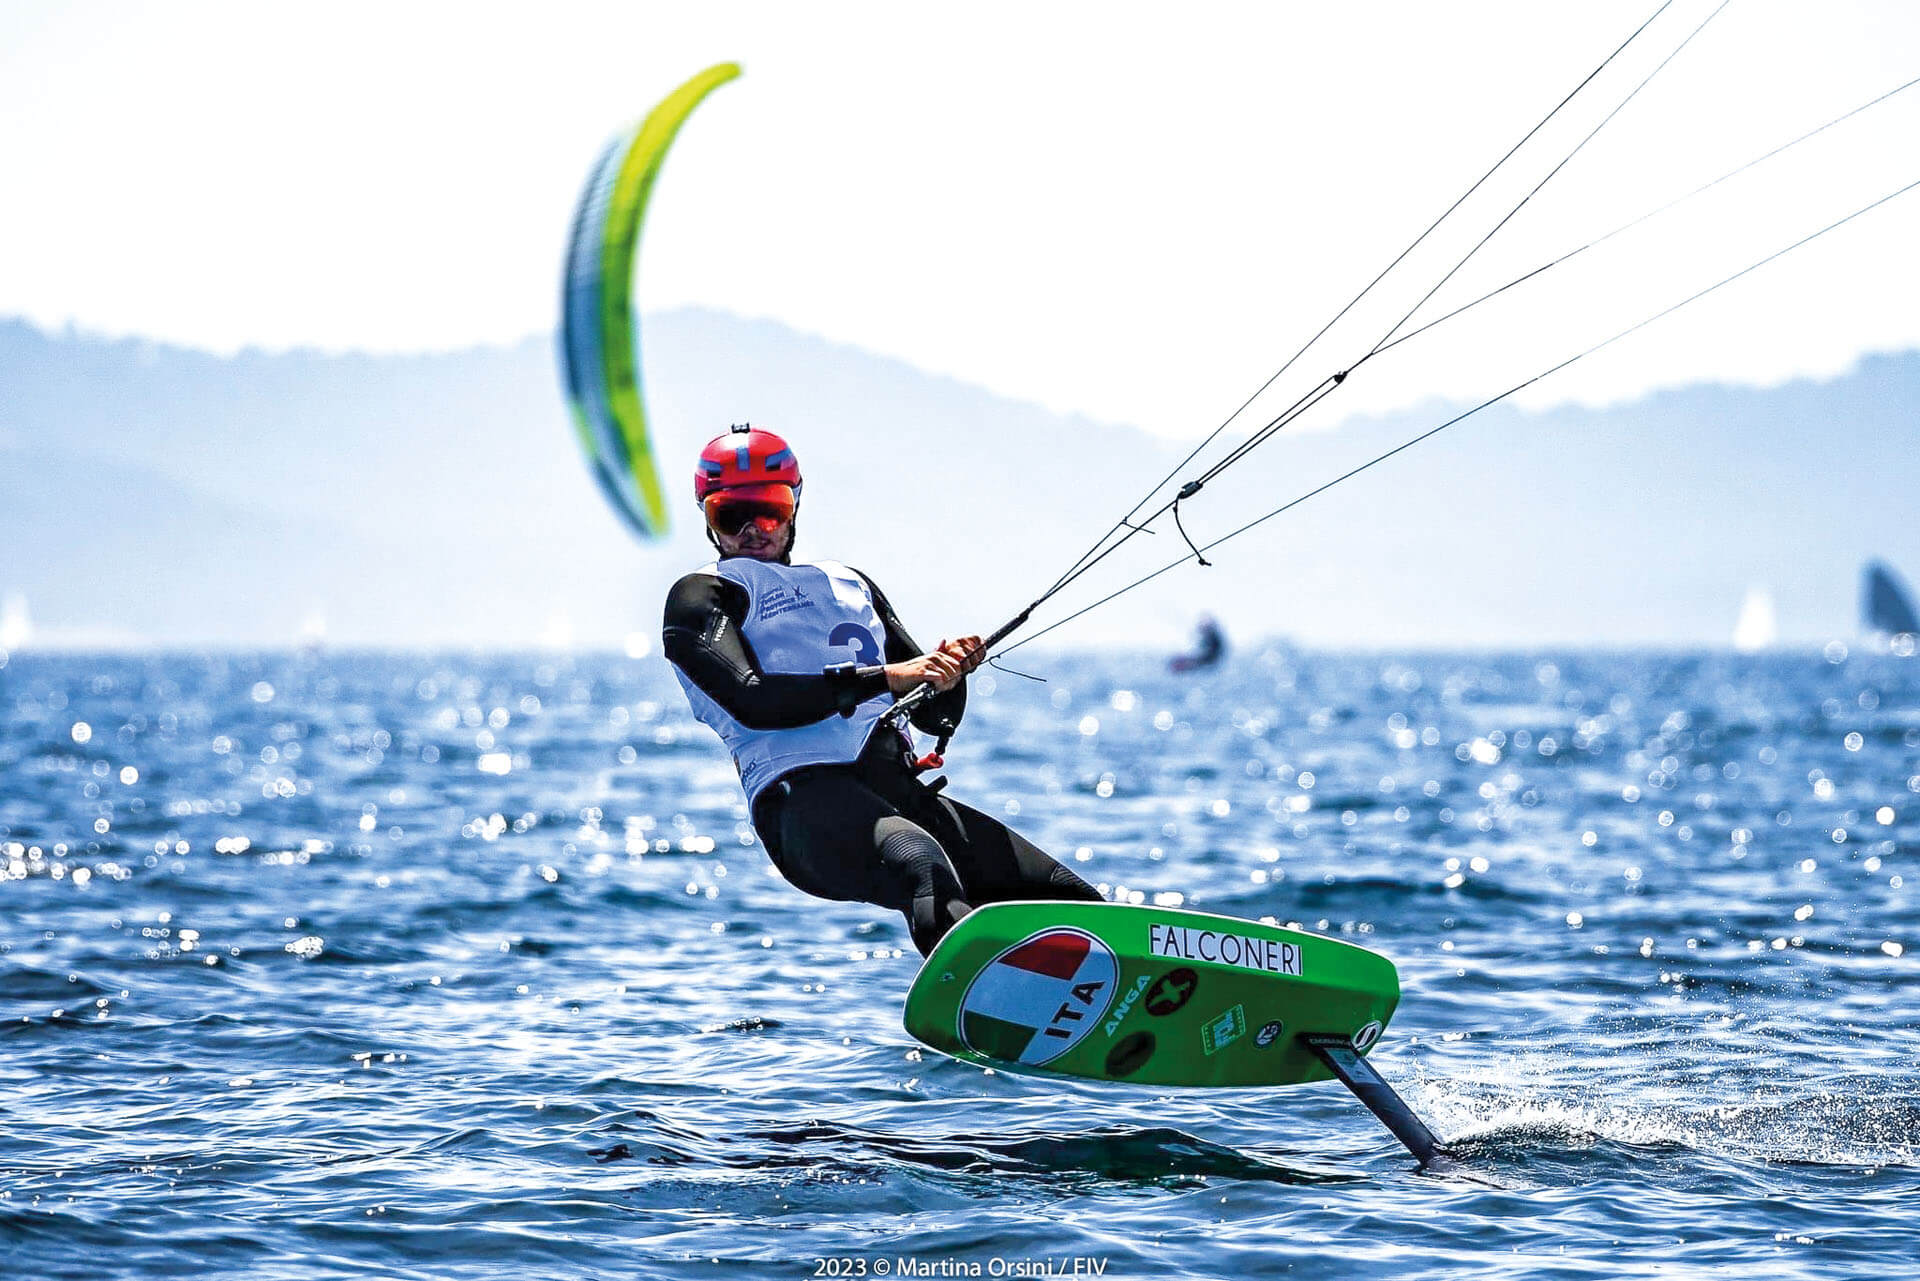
[(1885, 605), (1756, 629), (16, 625), (557, 634), (313, 632)]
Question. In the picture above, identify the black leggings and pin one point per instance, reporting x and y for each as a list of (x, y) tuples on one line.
[(871, 832)]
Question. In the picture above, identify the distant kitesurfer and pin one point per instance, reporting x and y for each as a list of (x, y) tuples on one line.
[(793, 664), (1210, 646)]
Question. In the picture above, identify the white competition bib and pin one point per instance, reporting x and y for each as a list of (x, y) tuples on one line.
[(800, 619)]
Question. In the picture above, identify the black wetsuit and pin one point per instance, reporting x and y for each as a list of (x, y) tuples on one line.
[(868, 830)]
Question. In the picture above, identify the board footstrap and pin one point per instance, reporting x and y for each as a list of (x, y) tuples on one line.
[(1371, 1088)]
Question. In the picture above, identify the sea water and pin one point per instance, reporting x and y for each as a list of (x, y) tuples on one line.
[(340, 965)]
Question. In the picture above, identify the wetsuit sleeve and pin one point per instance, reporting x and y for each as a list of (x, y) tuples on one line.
[(701, 636), (940, 714)]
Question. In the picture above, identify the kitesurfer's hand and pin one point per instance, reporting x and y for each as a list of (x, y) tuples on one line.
[(938, 669), (968, 650)]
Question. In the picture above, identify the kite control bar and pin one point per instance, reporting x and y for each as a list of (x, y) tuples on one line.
[(904, 705)]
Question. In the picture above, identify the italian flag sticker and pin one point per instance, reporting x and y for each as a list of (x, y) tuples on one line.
[(1036, 1000)]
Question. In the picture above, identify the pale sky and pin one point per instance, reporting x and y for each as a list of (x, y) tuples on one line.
[(1108, 209)]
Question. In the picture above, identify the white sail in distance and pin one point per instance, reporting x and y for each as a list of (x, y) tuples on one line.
[(1757, 629)]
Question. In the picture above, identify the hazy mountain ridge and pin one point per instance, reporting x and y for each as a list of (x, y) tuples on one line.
[(455, 484), (439, 499)]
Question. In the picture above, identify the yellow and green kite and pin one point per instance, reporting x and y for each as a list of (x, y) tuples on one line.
[(600, 316)]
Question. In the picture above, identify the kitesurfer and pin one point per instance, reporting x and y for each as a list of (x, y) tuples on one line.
[(1209, 647), (794, 664)]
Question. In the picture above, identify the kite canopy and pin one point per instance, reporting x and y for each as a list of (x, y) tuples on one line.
[(599, 319)]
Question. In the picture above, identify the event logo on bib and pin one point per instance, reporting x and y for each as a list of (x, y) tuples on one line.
[(1039, 998)]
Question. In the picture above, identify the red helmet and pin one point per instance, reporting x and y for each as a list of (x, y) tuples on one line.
[(749, 460)]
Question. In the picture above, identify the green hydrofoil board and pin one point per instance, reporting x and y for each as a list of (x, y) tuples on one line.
[(1146, 995)]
